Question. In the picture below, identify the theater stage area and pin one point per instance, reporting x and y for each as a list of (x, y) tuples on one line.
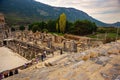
[(10, 60)]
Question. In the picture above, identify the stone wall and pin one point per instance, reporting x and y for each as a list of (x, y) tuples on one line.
[(29, 51), (68, 43), (4, 29)]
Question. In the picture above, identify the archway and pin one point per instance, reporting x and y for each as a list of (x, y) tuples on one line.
[(4, 43)]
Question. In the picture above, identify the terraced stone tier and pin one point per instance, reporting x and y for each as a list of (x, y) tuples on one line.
[(78, 66)]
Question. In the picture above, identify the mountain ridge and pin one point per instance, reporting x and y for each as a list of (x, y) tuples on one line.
[(20, 11)]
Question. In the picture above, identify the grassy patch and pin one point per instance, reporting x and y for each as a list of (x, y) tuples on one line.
[(60, 34), (103, 35)]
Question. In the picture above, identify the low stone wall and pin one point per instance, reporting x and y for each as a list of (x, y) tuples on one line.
[(103, 50), (74, 37), (27, 50), (13, 71)]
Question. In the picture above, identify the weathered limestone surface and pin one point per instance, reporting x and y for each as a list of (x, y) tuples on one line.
[(10, 60), (55, 42), (81, 58), (74, 67)]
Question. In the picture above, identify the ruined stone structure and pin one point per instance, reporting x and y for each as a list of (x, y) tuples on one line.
[(27, 50), (32, 45), (70, 46), (2, 20), (101, 63), (4, 30), (29, 44), (2, 24)]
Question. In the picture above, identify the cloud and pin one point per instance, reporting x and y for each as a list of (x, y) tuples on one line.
[(104, 10), (108, 18)]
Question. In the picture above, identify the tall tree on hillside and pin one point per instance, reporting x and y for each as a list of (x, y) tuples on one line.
[(57, 27), (62, 22)]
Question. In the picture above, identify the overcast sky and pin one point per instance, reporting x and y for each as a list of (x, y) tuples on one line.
[(107, 11)]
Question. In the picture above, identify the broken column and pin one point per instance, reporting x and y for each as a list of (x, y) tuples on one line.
[(73, 46), (49, 43)]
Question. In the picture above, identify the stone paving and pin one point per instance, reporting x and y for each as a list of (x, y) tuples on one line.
[(10, 60)]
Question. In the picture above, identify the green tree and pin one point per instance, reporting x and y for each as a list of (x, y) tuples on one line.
[(62, 23), (69, 27), (35, 28), (42, 25), (22, 28), (57, 27), (51, 25), (84, 27), (45, 30), (30, 26)]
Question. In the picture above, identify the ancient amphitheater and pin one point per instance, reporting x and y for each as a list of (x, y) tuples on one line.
[(68, 57), (101, 63)]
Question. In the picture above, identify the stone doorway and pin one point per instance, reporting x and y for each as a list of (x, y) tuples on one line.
[(4, 43)]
